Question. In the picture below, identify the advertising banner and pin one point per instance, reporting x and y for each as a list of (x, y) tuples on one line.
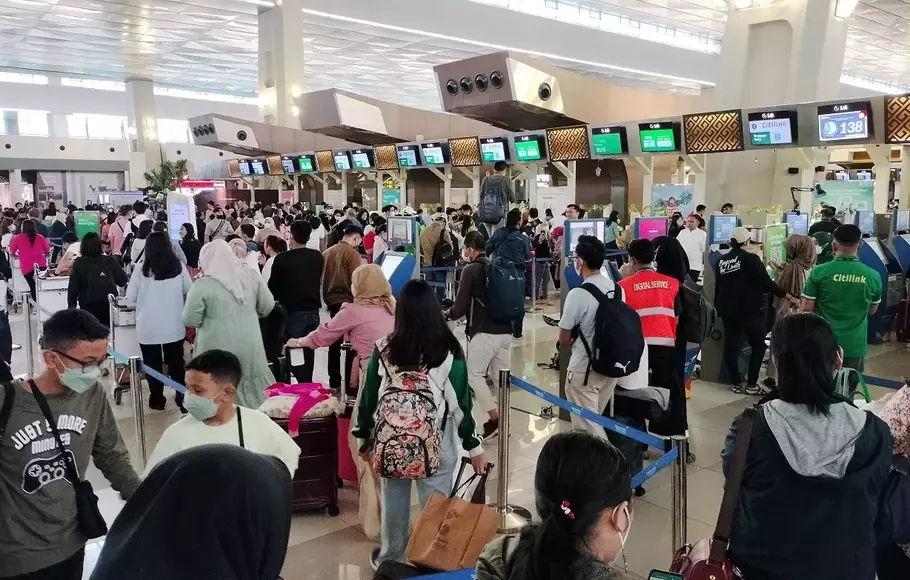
[(86, 221), (391, 197), (668, 199), (288, 195), (774, 246), (847, 197)]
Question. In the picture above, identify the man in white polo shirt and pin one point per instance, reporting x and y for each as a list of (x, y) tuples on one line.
[(694, 241)]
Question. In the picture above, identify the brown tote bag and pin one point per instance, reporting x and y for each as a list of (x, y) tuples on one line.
[(707, 559)]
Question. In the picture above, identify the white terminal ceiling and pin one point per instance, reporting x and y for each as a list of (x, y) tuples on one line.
[(211, 45)]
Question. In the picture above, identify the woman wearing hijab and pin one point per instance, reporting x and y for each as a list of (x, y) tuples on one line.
[(676, 225), (230, 507), (244, 255), (225, 305), (612, 232), (191, 248), (268, 229), (791, 276)]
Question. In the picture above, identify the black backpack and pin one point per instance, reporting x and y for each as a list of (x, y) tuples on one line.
[(444, 254), (618, 338), (126, 250), (698, 317), (491, 210)]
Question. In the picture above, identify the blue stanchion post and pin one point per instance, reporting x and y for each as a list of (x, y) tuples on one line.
[(511, 518)]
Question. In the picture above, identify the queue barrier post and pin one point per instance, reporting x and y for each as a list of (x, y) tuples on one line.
[(112, 308), (679, 493), (533, 285), (138, 410), (29, 338), (511, 518)]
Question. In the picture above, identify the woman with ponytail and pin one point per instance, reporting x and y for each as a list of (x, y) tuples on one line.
[(584, 491)]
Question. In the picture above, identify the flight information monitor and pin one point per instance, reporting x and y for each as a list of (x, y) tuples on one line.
[(610, 140), (362, 158), (845, 121), (493, 149), (289, 164), (901, 220), (798, 222), (436, 153), (342, 160), (244, 166), (772, 128), (258, 166), (530, 147), (649, 228), (306, 163), (720, 227), (865, 221), (408, 156), (659, 137)]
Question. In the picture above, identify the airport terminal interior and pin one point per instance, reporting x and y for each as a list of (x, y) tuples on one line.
[(769, 130)]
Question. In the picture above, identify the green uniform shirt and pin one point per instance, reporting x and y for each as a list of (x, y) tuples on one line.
[(843, 291)]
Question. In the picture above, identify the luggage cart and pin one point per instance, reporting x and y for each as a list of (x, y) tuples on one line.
[(123, 340)]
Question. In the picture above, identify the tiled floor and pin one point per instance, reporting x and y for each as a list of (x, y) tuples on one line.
[(329, 548)]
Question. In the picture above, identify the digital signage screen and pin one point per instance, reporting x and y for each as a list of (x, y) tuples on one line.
[(649, 228), (901, 220), (342, 161), (530, 147), (609, 141), (258, 166), (720, 228), (865, 221), (306, 163), (493, 149), (845, 121), (408, 156), (244, 166), (289, 164), (659, 137), (770, 128), (436, 153), (363, 158), (798, 222)]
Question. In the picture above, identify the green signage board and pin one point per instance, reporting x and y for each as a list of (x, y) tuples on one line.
[(657, 140), (775, 244), (607, 144), (391, 197), (527, 150), (86, 221)]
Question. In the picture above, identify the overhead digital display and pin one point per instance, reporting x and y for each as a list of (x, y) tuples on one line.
[(772, 128), (530, 147), (659, 137), (493, 149), (244, 166), (436, 152), (289, 165), (342, 161), (609, 140), (845, 121), (408, 156), (306, 163), (258, 166), (362, 158)]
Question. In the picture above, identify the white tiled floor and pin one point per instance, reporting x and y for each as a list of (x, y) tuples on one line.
[(325, 548)]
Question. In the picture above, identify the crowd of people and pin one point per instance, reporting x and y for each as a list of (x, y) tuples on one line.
[(816, 468)]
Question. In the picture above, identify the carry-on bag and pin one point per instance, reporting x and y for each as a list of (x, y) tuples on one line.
[(452, 531), (707, 559), (315, 483), (903, 320)]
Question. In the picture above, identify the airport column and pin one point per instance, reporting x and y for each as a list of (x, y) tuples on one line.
[(881, 159), (143, 121), (281, 63), (905, 178)]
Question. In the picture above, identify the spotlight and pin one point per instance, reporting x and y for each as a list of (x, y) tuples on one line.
[(452, 87), (467, 85), (481, 82), (544, 92), (496, 79)]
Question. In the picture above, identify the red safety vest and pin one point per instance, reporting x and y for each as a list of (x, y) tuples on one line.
[(653, 296)]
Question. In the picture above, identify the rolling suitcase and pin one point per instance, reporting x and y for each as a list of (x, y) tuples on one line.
[(315, 484), (347, 470)]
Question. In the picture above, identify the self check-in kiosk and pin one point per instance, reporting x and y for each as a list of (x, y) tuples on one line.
[(720, 228), (398, 268), (798, 222), (648, 228), (402, 261), (901, 242), (879, 257)]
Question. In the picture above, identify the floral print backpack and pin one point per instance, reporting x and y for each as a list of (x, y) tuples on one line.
[(407, 440)]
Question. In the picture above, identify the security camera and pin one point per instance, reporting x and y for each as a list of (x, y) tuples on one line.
[(544, 91)]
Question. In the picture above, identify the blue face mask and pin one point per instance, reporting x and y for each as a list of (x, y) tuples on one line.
[(79, 380), (200, 408)]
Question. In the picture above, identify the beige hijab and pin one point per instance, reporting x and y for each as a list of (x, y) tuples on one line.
[(218, 261), (370, 287)]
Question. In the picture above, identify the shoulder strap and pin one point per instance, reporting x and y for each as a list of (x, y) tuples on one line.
[(71, 471), (9, 395), (240, 427), (721, 540)]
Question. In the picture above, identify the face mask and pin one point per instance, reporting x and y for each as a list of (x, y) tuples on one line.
[(577, 267), (79, 380), (200, 408)]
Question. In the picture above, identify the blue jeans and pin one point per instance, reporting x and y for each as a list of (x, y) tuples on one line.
[(396, 499), (298, 325)]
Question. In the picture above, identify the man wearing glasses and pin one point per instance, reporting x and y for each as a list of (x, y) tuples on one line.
[(40, 535)]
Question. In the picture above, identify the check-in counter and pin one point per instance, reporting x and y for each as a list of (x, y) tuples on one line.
[(51, 292)]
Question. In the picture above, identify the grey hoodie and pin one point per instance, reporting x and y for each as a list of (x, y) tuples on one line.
[(815, 445)]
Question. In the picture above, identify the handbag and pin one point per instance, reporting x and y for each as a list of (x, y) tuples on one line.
[(892, 523), (452, 532), (707, 559), (91, 522)]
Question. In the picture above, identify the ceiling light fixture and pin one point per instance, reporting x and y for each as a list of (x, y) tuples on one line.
[(266, 3), (503, 47), (844, 8)]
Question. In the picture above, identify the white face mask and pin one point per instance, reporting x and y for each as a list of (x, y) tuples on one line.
[(577, 267)]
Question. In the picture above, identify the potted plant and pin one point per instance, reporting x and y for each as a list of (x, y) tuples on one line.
[(167, 177)]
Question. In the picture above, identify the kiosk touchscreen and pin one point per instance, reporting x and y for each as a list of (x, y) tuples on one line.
[(902, 238), (403, 239), (649, 228), (879, 257), (720, 227), (574, 229), (865, 221), (398, 268), (798, 222)]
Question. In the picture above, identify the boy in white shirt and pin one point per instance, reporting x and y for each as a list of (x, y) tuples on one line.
[(211, 385), (693, 241)]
